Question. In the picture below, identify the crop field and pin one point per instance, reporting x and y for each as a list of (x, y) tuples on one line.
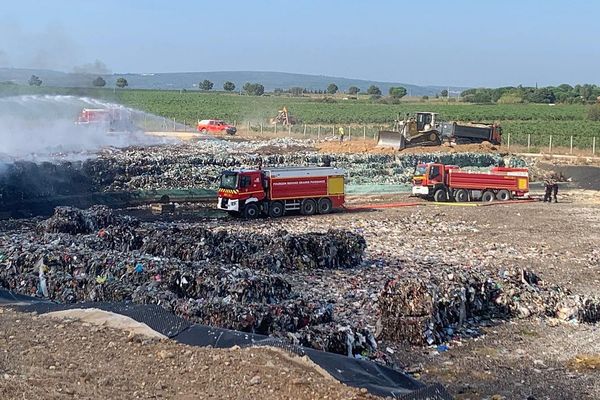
[(193, 105), (523, 122), (539, 121)]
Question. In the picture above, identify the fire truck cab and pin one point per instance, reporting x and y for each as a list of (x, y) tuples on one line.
[(429, 177)]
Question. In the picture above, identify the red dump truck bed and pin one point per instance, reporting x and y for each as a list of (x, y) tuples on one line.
[(496, 180)]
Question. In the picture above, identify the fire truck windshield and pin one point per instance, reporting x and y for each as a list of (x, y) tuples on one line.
[(421, 169), (229, 180)]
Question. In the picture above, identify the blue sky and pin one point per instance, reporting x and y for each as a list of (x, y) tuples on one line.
[(461, 43)]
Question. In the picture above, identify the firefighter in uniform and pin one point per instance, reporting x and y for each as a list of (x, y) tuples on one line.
[(549, 186)]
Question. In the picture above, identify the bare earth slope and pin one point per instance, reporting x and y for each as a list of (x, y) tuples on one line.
[(42, 358)]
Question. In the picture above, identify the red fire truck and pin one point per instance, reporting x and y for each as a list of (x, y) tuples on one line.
[(447, 182), (111, 119), (273, 192)]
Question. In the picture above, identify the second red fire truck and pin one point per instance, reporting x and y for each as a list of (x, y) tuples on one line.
[(441, 182)]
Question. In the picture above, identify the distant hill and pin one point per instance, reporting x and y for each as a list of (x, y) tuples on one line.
[(189, 80)]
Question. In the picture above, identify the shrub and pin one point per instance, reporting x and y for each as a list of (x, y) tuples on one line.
[(594, 113), (324, 99)]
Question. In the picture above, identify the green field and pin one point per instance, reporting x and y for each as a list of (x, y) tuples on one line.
[(538, 120), (519, 120), (193, 105)]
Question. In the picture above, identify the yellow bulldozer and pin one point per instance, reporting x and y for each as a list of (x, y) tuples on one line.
[(419, 130), (426, 129)]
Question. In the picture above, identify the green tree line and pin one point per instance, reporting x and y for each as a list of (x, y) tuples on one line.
[(567, 94)]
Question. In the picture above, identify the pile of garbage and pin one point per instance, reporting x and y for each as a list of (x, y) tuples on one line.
[(187, 166), (425, 311), (579, 308), (285, 316), (193, 166), (73, 221), (211, 276), (335, 338), (275, 252)]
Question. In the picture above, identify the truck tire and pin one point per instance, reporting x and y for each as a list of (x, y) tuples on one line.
[(276, 209), (440, 196), (251, 211), (503, 195), (324, 206), (203, 131), (461, 196), (309, 207), (488, 196)]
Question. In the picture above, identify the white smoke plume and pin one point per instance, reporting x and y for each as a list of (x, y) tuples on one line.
[(48, 47), (96, 68), (40, 127)]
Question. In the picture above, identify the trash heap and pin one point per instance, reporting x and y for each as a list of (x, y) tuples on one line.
[(73, 221), (425, 311), (286, 316), (579, 308), (276, 252), (335, 338), (188, 166), (211, 276), (193, 166)]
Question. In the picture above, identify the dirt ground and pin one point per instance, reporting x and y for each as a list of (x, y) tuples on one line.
[(369, 146), (42, 358)]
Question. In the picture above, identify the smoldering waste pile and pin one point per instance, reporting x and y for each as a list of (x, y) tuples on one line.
[(427, 310), (186, 166), (215, 277)]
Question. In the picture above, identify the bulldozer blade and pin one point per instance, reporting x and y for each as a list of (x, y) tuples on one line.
[(391, 139)]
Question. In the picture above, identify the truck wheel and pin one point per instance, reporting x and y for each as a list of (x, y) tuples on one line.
[(203, 131), (251, 211), (308, 207), (503, 195), (461, 196), (276, 209), (324, 206), (488, 196), (440, 195)]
